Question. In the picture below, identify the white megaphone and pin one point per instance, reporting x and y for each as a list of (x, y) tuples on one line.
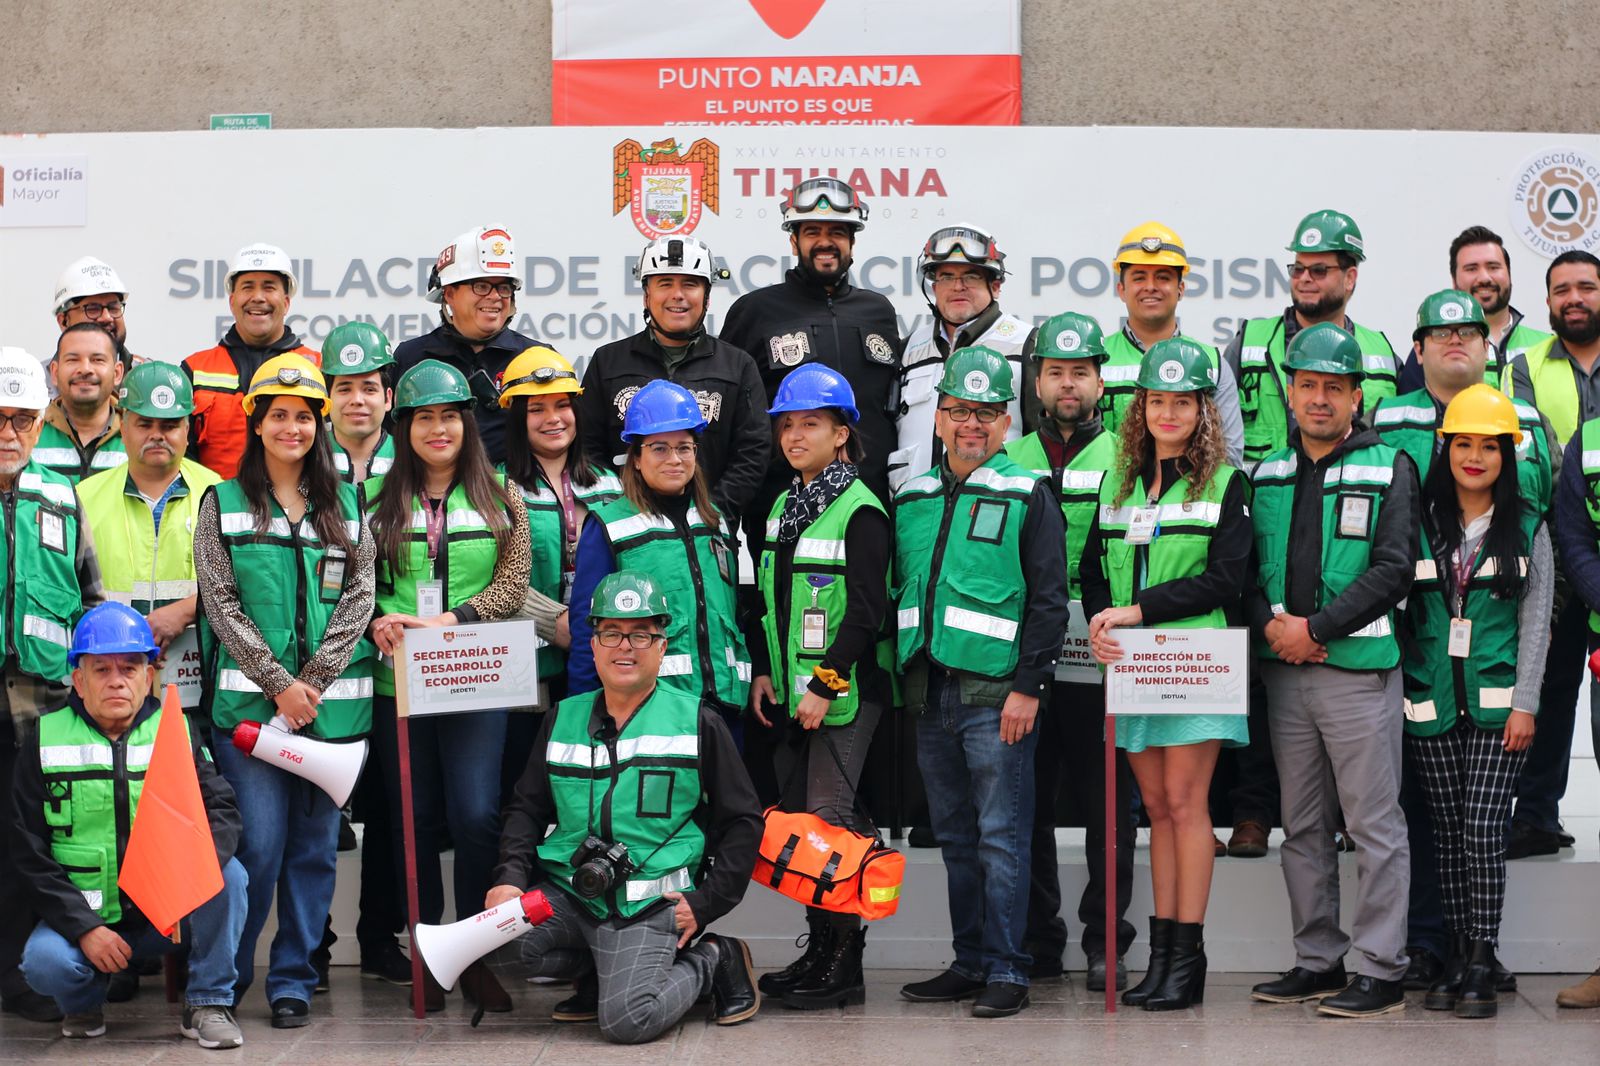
[(333, 768), (448, 949)]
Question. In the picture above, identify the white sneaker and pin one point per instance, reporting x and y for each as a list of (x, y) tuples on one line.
[(83, 1026), (213, 1026)]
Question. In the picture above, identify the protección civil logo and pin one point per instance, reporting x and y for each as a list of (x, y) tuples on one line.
[(1555, 202)]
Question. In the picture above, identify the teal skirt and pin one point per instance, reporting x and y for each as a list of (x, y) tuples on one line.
[(1136, 732)]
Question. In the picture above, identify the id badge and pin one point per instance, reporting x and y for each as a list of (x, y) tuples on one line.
[(813, 629), (1459, 645), (1355, 514), (1142, 526), (332, 576), (52, 531), (430, 598), (566, 586), (720, 550)]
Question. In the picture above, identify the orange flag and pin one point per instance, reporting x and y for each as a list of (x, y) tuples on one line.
[(170, 867)]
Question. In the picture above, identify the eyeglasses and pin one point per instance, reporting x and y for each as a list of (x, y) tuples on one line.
[(1318, 271), (19, 423), (93, 312), (613, 638), (483, 287), (952, 280), (1451, 333), (660, 452), (986, 415)]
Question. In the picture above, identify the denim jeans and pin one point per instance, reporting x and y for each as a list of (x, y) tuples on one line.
[(980, 799), (55, 967), (289, 847), (1543, 781), (455, 783)]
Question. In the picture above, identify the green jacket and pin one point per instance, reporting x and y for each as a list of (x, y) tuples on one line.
[(1262, 396), (38, 556), (1119, 373), (1079, 482), (381, 462), (58, 450), (1410, 423)]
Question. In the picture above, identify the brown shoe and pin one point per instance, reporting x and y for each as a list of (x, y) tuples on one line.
[(480, 986), (1584, 994), (1219, 849), (432, 993), (1249, 840)]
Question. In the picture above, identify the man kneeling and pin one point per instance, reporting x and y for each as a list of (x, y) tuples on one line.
[(77, 793), (656, 826)]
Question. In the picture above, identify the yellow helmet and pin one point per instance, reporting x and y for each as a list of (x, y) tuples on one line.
[(1152, 244), (537, 371), (287, 375), (1482, 409)]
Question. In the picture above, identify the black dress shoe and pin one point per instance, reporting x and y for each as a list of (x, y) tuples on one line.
[(290, 1013), (1423, 969), (123, 986), (734, 996), (1046, 967), (1299, 984), (1001, 999), (31, 1006), (387, 963), (584, 1003), (1367, 997), (1524, 841), (946, 988), (347, 833), (921, 836), (1095, 978), (1478, 999), (1567, 839), (1504, 979), (320, 963)]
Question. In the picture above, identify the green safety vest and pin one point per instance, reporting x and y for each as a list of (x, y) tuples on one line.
[(1364, 474), (1080, 489), (57, 451), (280, 579), (1591, 478), (92, 786), (1261, 381), (1555, 389), (639, 790), (1410, 423), (817, 579), (547, 533), (697, 571), (1119, 373), (1179, 548), (38, 555), (1517, 342), (1440, 687), (465, 563), (959, 586), (379, 463)]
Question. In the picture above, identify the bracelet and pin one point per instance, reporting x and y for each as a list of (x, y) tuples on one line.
[(832, 679)]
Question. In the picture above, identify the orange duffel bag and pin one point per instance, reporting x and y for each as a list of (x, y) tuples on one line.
[(828, 866)]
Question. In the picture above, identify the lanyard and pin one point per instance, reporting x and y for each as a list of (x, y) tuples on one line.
[(569, 521), (433, 511), (1463, 573)]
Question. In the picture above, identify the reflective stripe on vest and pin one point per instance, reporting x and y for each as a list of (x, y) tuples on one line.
[(1410, 423), (1179, 548), (1555, 389), (1261, 381), (1120, 372), (38, 558)]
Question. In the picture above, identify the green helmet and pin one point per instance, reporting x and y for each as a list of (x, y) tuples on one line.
[(1325, 349), (1329, 231), (979, 374), (629, 594), (1449, 307), (1070, 335), (156, 390), (1177, 364), (431, 381), (355, 348)]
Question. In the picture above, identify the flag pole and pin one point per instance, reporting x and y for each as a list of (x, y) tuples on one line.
[(408, 822)]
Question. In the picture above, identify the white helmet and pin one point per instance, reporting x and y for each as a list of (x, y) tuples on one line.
[(823, 199), (486, 252), (265, 257), (22, 381), (86, 277), (678, 255)]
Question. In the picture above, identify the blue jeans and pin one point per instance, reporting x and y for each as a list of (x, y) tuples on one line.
[(56, 968), (980, 803), (289, 846)]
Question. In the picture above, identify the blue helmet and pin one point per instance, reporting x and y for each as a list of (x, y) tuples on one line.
[(661, 406), (813, 387), (112, 629)]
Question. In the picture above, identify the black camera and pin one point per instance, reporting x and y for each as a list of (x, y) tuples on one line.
[(597, 867)]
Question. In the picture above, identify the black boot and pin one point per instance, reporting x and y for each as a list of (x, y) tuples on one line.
[(1185, 982), (1156, 971), (836, 980), (818, 942), (1444, 990), (1477, 998)]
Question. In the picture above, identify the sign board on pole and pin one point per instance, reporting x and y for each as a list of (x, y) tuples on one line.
[(241, 122), (1180, 671), (480, 667), (1077, 664), (182, 667)]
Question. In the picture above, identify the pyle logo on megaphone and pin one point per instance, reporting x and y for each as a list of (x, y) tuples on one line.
[(333, 768), (446, 950)]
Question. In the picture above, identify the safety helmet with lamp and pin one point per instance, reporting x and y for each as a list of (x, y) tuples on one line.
[(679, 255), (538, 371), (1151, 244), (287, 375)]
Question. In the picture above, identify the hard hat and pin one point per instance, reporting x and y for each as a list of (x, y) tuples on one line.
[(678, 255), (355, 348), (22, 380), (156, 390), (1151, 244), (979, 374), (1177, 364), (429, 382), (813, 387), (87, 276), (963, 243), (661, 406), (1070, 335), (112, 628), (273, 260), (538, 371), (1449, 307), (823, 199), (287, 375), (1482, 409), (1325, 349), (486, 252), (628, 594), (1328, 231)]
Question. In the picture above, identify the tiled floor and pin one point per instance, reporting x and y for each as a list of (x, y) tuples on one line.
[(363, 1022)]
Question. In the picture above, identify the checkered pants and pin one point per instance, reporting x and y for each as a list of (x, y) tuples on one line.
[(1468, 780)]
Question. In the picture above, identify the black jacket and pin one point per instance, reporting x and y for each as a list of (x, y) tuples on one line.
[(59, 903), (738, 436), (483, 370)]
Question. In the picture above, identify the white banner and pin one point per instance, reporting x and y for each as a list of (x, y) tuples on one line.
[(365, 212), (481, 667), (1180, 671), (1077, 663)]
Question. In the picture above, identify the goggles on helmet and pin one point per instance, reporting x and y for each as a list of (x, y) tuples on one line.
[(813, 191), (974, 245)]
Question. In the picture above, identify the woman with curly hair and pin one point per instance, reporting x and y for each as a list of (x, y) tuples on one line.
[(1170, 547)]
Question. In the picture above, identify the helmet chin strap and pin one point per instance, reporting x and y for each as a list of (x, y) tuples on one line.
[(684, 336)]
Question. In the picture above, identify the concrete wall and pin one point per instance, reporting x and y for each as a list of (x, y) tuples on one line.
[(1431, 64)]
